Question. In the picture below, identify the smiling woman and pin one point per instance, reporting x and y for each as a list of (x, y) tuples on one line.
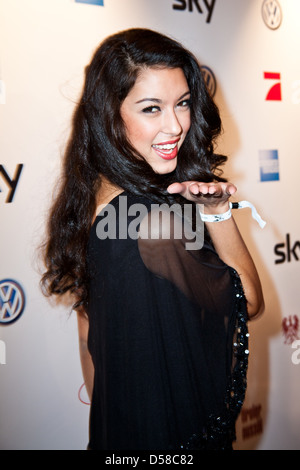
[(157, 126), (162, 328)]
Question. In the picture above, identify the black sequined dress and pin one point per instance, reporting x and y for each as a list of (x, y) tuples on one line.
[(168, 337)]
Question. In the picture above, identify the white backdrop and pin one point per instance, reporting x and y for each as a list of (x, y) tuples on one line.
[(44, 47)]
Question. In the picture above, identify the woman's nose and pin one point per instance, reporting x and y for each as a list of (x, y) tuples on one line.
[(172, 124)]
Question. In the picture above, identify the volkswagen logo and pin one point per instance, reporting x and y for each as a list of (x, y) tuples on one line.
[(210, 80), (272, 14), (12, 301)]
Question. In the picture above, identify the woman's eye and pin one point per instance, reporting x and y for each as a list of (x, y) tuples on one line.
[(184, 104), (151, 109)]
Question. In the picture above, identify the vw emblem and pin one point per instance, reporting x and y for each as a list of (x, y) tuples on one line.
[(272, 14), (12, 301), (210, 80)]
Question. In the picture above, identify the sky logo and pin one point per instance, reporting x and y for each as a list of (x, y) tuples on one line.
[(92, 2), (269, 165)]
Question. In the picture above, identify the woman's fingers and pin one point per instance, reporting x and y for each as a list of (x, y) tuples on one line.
[(176, 188), (192, 189)]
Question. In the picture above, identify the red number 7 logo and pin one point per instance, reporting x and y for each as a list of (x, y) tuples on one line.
[(274, 94)]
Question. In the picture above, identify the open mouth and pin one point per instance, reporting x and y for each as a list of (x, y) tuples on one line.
[(167, 150)]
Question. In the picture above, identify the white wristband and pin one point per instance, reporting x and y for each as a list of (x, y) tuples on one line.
[(215, 217), (227, 215), (255, 214)]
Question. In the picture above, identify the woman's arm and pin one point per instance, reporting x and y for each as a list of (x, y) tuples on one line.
[(225, 236), (85, 357)]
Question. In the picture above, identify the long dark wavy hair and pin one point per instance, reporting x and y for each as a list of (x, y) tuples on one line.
[(98, 147)]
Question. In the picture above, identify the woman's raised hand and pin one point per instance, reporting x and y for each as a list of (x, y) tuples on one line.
[(214, 196)]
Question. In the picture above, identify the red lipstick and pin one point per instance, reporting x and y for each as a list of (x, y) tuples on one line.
[(167, 150)]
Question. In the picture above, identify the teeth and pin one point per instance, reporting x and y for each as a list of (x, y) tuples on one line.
[(165, 147)]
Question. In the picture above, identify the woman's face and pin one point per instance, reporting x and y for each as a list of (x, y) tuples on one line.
[(156, 113)]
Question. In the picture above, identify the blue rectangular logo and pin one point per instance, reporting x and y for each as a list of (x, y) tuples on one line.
[(269, 165), (92, 2)]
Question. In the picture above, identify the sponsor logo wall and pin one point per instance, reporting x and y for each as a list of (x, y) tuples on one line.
[(12, 301), (249, 54)]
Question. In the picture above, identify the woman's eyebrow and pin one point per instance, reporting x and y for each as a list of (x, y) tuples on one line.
[(184, 94), (156, 100)]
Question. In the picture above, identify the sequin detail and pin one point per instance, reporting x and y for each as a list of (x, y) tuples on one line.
[(219, 432)]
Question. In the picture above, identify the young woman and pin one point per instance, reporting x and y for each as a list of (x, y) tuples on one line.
[(163, 327)]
